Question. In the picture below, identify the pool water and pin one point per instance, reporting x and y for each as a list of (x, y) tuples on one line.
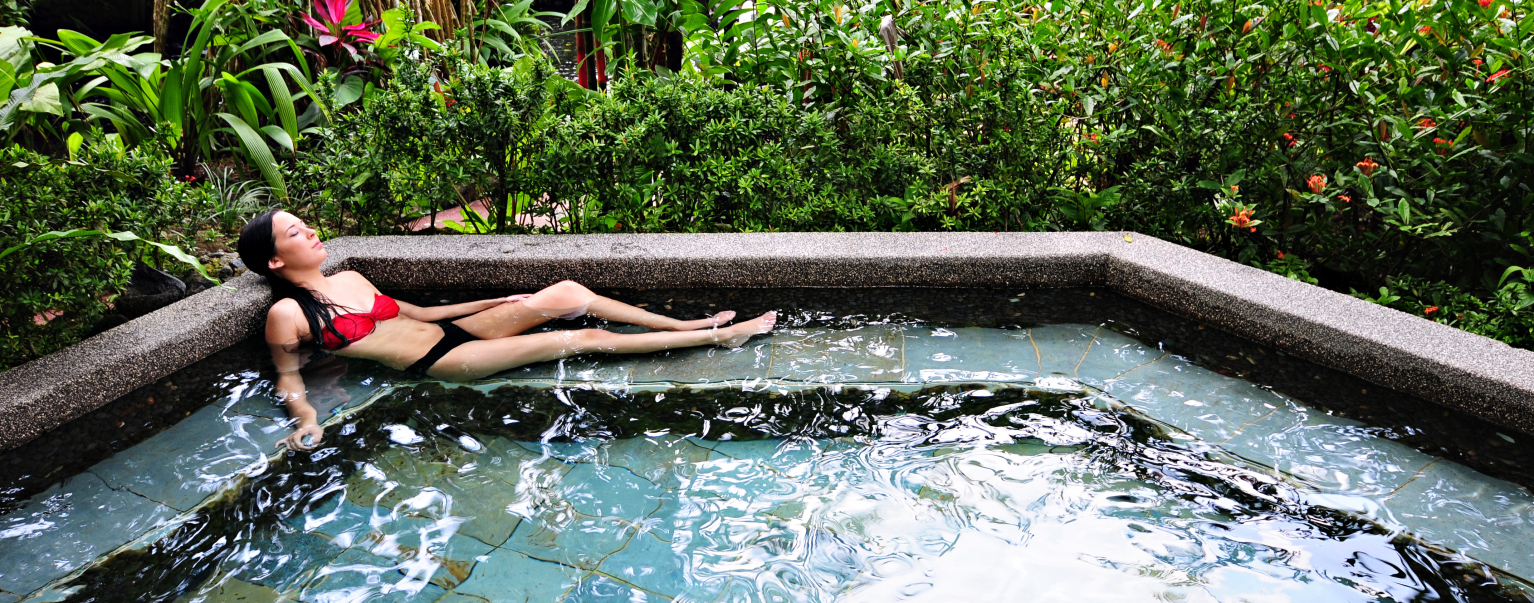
[(969, 495), (844, 458)]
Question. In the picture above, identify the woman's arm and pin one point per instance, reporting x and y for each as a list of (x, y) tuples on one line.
[(282, 335), (436, 313)]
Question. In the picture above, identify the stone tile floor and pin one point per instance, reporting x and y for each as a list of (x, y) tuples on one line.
[(488, 548)]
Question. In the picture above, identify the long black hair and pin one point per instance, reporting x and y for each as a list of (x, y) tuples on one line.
[(257, 246)]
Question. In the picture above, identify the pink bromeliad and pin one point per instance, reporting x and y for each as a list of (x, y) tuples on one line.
[(331, 13)]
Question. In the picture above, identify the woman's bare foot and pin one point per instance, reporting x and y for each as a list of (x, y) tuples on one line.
[(736, 335), (704, 323)]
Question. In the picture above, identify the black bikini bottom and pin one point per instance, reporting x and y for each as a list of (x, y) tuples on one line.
[(452, 337)]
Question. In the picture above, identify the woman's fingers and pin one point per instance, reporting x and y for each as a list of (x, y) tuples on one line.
[(295, 440)]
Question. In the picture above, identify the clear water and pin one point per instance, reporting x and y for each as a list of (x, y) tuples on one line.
[(952, 496), (1057, 463)]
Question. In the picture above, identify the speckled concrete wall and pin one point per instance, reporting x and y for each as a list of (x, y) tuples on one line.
[(1392, 349)]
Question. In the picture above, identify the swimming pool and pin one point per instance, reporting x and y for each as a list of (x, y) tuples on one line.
[(921, 455)]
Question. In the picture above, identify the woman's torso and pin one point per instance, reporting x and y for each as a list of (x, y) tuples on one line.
[(396, 342)]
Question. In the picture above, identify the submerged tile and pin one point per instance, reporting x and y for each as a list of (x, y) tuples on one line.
[(650, 564), (508, 576), (221, 588), (1111, 355), (603, 368), (356, 575), (1481, 516), (195, 458), (1060, 348), (482, 503), (1199, 401), (68, 526), (935, 355), (706, 364), (283, 561), (600, 588), (1333, 454), (561, 535), (870, 353), (663, 460)]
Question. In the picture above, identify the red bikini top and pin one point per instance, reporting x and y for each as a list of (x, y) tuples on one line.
[(356, 325)]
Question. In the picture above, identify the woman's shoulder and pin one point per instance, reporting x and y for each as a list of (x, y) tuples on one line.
[(354, 277), (286, 309)]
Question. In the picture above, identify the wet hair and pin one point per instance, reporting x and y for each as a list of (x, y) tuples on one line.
[(257, 246)]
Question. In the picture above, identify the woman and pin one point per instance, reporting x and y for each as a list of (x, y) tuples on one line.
[(346, 314)]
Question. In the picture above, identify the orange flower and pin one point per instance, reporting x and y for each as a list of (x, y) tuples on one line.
[(1345, 198), (1242, 219), (1317, 183), (1235, 189), (1367, 166), (1430, 309)]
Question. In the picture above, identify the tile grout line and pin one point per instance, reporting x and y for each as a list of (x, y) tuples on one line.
[(1409, 482), (1076, 371), (1036, 354), (1138, 367), (1238, 430)]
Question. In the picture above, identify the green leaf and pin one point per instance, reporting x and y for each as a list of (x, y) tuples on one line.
[(259, 153), (349, 91), (278, 135), (45, 100), (171, 250), (284, 101)]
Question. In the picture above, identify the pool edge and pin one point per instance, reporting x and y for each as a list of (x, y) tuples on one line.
[(1396, 350)]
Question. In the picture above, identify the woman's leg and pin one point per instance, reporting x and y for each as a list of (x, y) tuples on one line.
[(569, 298), (477, 359)]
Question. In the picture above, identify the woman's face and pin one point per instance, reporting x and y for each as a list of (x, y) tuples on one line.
[(298, 246)]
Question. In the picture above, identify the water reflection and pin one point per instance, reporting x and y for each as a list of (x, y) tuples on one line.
[(964, 496)]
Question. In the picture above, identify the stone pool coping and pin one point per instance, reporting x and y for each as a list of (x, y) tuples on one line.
[(1396, 350)]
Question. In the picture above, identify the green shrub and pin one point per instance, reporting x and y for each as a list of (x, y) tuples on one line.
[(70, 280)]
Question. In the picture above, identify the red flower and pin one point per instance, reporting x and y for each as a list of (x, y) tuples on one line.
[(1484, 3), (1326, 69), (1345, 198), (1430, 309), (1441, 141), (1317, 183), (1092, 137), (1289, 138), (1367, 166), (1475, 61), (1425, 29), (1498, 75), (1426, 123), (1280, 254)]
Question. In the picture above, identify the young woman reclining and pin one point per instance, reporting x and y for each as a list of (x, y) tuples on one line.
[(346, 314)]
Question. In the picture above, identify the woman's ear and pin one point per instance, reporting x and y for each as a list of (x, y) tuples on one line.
[(275, 263)]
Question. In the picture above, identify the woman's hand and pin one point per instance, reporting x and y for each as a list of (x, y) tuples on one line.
[(511, 299), (295, 440)]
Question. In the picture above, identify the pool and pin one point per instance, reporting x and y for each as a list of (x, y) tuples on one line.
[(976, 445)]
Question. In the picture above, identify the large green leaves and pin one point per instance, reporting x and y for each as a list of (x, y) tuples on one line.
[(171, 250), (258, 153)]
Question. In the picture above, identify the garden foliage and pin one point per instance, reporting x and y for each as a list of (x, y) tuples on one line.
[(1353, 144)]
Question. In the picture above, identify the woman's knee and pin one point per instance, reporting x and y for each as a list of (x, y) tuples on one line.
[(594, 340), (568, 291)]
